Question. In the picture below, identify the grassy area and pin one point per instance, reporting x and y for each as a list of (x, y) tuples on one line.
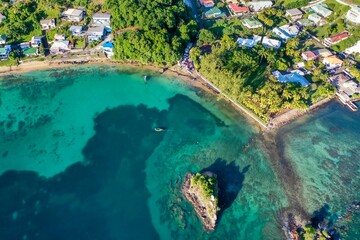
[(80, 42), (336, 22), (338, 9), (256, 79), (7, 63)]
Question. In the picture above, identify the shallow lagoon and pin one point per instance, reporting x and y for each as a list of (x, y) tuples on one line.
[(78, 156)]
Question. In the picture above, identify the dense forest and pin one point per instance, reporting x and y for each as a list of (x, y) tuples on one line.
[(151, 31)]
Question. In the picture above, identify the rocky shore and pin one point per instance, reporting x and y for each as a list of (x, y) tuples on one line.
[(205, 204)]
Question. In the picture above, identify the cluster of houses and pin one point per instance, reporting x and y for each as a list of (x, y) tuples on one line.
[(99, 28), (28, 49), (235, 9)]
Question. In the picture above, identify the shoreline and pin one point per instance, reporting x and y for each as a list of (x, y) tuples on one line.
[(194, 80)]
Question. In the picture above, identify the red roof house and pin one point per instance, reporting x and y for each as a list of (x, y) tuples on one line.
[(236, 9), (336, 38), (207, 3), (308, 55)]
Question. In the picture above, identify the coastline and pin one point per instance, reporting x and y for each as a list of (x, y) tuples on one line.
[(194, 80)]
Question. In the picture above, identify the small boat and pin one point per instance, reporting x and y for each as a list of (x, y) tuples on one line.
[(145, 78), (159, 129)]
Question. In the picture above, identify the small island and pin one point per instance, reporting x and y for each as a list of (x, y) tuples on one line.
[(201, 190)]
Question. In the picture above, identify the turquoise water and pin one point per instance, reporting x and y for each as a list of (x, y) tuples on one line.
[(79, 156)]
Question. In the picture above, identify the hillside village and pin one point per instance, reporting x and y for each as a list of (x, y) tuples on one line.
[(68, 33), (312, 48), (326, 35)]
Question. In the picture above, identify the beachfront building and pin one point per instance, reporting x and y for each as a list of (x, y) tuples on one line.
[(316, 19), (47, 24), (251, 23), (95, 33), (4, 52), (353, 49), (60, 47), (353, 15), (248, 42), (332, 62), (238, 10), (308, 56), (286, 31), (73, 15), (24, 45), (207, 3), (322, 10), (293, 77), (108, 49), (35, 41), (2, 39), (294, 14), (336, 38), (31, 52), (271, 43), (259, 5), (76, 30)]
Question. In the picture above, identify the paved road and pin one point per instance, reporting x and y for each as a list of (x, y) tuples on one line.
[(193, 7)]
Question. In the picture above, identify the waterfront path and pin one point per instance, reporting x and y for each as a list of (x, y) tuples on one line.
[(247, 112)]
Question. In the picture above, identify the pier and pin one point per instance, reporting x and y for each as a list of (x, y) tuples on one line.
[(345, 99)]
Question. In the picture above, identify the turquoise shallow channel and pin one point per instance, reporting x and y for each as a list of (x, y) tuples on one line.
[(79, 159)]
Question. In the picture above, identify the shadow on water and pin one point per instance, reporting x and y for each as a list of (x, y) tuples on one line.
[(103, 198), (230, 181)]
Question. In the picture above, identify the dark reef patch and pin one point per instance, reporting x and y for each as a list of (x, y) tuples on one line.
[(103, 198)]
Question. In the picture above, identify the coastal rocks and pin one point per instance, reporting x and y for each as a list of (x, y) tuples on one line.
[(201, 190)]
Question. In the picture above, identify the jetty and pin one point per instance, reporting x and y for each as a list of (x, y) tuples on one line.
[(345, 99)]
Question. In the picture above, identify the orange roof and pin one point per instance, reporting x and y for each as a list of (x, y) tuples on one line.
[(333, 60), (237, 9), (339, 37)]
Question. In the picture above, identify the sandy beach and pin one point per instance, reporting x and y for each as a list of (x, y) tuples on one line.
[(194, 80)]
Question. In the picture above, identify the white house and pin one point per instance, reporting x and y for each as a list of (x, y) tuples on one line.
[(47, 24), (294, 14), (260, 5), (76, 30), (314, 18), (248, 42), (74, 15), (353, 15), (95, 33), (286, 31), (353, 49), (101, 19), (271, 43), (35, 41), (59, 47)]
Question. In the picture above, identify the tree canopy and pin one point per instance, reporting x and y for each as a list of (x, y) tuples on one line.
[(151, 31)]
